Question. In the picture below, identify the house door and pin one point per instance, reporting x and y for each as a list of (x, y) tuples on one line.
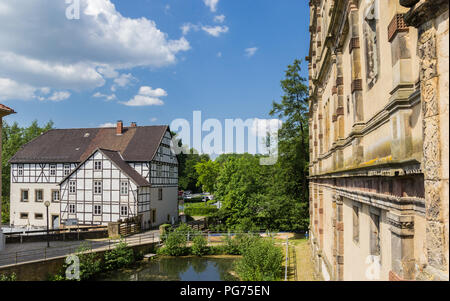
[(55, 221)]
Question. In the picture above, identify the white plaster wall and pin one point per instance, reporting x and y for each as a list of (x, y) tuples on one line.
[(168, 205), (356, 254), (31, 207)]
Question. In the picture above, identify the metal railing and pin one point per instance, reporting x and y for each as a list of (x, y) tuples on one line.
[(59, 251)]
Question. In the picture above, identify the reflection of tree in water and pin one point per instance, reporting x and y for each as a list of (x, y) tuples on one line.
[(199, 264), (171, 269), (224, 267)]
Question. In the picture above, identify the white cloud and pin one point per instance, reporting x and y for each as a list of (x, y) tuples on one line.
[(215, 31), (261, 127), (219, 19), (105, 96), (59, 95), (153, 119), (251, 51), (124, 79), (148, 91), (147, 97), (212, 4), (187, 27), (10, 89), (52, 51), (219, 54), (107, 125)]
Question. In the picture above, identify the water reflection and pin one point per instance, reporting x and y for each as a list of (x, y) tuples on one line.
[(176, 269)]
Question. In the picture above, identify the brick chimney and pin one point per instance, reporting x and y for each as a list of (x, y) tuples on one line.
[(119, 127), (133, 124)]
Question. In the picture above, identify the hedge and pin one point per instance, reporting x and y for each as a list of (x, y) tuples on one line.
[(200, 211)]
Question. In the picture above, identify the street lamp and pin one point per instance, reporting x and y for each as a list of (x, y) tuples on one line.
[(47, 204)]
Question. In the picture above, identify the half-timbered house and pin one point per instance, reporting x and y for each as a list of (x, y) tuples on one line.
[(95, 176)]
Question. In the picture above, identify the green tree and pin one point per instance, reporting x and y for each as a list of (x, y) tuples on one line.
[(13, 138), (207, 172), (294, 135)]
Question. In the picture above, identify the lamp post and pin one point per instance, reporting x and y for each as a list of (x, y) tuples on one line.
[(47, 204)]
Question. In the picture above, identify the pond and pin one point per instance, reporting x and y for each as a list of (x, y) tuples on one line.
[(176, 269)]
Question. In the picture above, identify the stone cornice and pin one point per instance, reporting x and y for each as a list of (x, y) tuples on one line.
[(404, 99), (382, 201), (423, 11)]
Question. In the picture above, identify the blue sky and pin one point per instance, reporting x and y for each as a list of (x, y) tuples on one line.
[(228, 64)]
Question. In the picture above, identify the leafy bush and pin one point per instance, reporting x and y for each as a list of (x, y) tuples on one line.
[(200, 211), (261, 261), (199, 246), (11, 277), (119, 257), (231, 246), (175, 244), (90, 264)]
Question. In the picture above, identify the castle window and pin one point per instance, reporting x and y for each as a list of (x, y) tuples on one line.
[(38, 216), (23, 215), (160, 194)]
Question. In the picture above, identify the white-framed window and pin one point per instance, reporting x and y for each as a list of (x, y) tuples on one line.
[(39, 195), (24, 195), (123, 187), (172, 172), (20, 170), (53, 169), (97, 187), (66, 169), (97, 209), (72, 208), (97, 165), (72, 187), (55, 195), (124, 210)]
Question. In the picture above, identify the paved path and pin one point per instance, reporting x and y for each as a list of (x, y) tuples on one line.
[(18, 253)]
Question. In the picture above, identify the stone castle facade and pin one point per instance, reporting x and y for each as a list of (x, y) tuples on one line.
[(379, 107)]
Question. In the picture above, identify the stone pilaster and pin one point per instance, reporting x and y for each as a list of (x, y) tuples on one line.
[(339, 238), (356, 83), (402, 245), (423, 15)]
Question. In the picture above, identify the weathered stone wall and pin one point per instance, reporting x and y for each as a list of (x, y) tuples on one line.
[(378, 75)]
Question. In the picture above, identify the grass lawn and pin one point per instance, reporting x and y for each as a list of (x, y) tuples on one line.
[(300, 266)]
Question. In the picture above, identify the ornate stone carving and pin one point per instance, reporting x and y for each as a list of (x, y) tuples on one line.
[(371, 42)]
